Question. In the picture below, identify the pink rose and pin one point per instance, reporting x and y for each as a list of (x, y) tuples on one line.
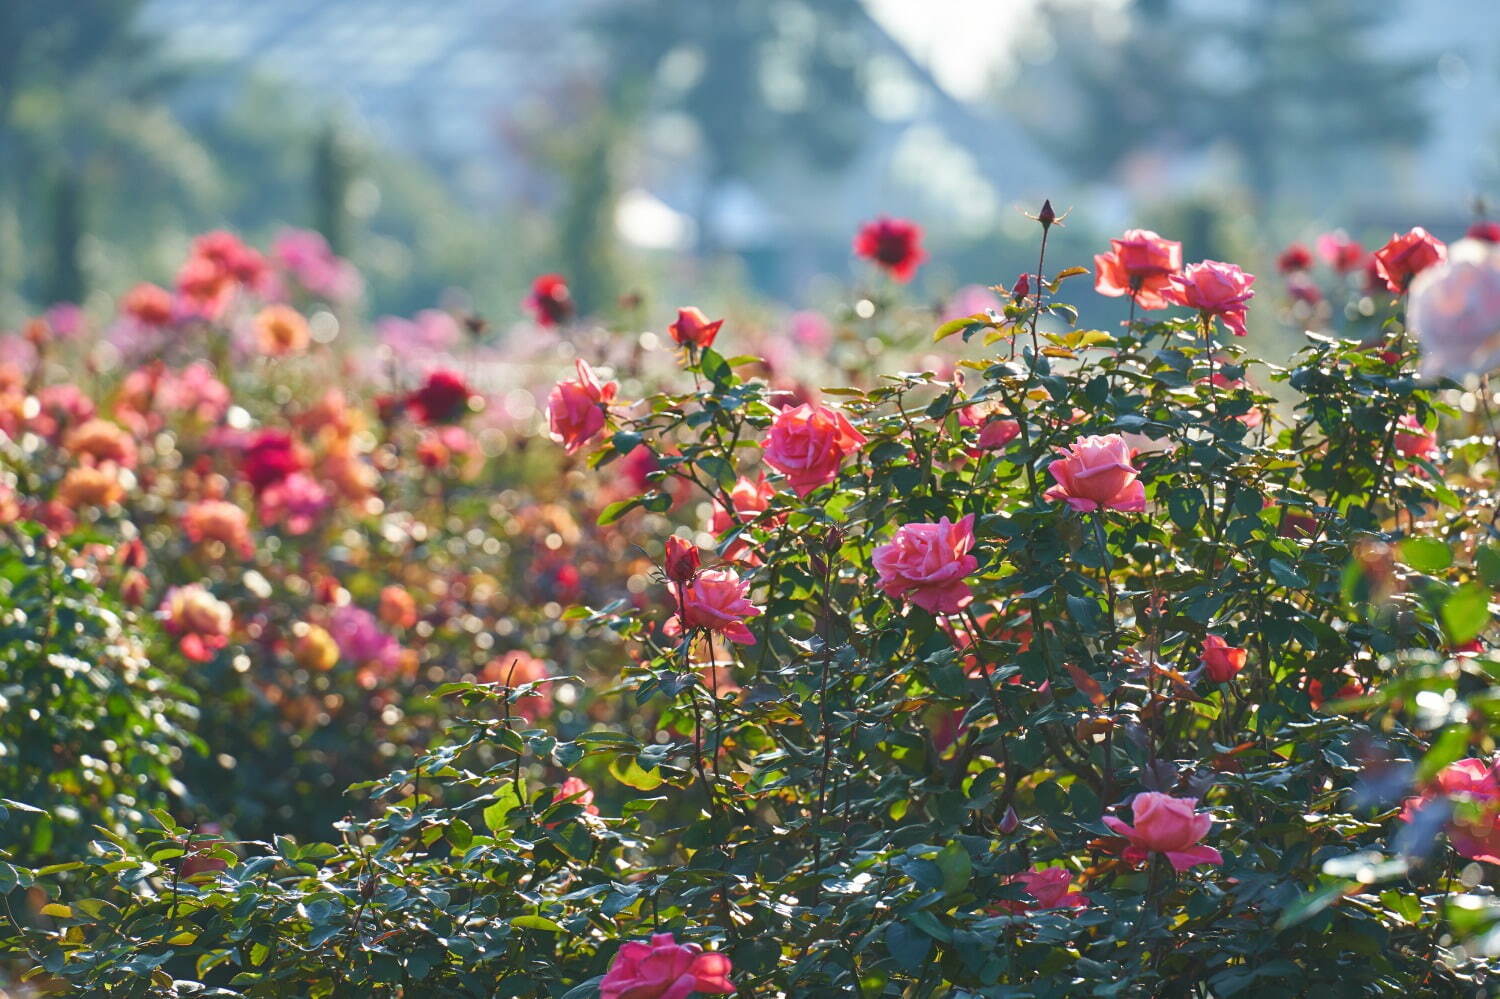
[(1472, 785), (997, 433), (1214, 289), (1095, 474), (807, 444), (1415, 441), (1167, 825), (693, 329), (682, 559), (1454, 312), (576, 408), (575, 791), (665, 969), (1342, 253), (1406, 256), (1221, 660), (1139, 264), (925, 564), (748, 500), (1052, 887), (714, 600)]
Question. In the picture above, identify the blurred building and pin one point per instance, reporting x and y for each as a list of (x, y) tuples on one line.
[(454, 82)]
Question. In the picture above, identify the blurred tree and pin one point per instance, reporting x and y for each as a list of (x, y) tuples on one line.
[(65, 281), (1297, 89), (757, 80), (332, 170)]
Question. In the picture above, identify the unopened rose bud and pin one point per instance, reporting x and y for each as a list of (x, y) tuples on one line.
[(1010, 821), (134, 588), (682, 560), (1046, 216), (1021, 289)]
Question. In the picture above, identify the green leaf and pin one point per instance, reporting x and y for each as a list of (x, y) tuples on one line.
[(537, 923), (908, 945), (1465, 613), (506, 801), (953, 860), (1427, 555), (628, 772)]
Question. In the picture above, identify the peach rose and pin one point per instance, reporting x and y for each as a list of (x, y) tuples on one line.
[(1221, 660), (1139, 264), (1095, 473), (926, 564), (576, 408), (199, 619), (281, 330), (808, 443), (1167, 825)]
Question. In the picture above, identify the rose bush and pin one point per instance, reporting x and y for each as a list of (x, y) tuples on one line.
[(1164, 690)]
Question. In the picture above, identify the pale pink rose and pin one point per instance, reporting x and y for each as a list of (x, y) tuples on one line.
[(971, 300), (1214, 289), (1095, 473), (926, 564), (811, 330), (1139, 264), (1454, 311), (807, 444), (715, 600), (576, 408), (1167, 825), (1473, 785), (665, 969)]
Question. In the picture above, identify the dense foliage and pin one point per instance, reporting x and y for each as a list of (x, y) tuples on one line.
[(1079, 666)]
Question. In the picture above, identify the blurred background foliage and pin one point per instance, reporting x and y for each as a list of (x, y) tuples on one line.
[(721, 151)]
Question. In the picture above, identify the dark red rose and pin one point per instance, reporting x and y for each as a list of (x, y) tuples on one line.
[(443, 398), (270, 456)]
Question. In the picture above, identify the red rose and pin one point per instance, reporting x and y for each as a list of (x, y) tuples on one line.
[(1406, 256), (893, 244), (550, 300)]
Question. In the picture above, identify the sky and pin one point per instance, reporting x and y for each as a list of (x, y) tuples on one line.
[(960, 41)]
